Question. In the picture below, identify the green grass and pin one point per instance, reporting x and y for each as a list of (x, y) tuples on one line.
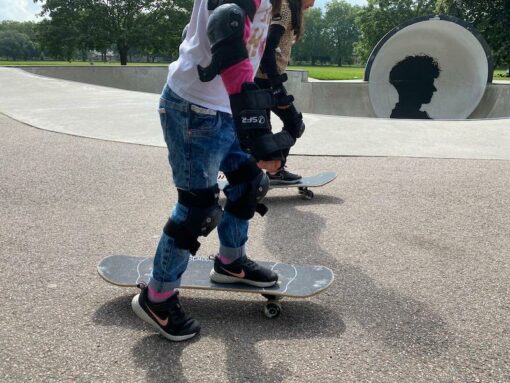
[(499, 74), (332, 72)]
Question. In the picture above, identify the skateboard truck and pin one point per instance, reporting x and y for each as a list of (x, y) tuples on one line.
[(305, 192)]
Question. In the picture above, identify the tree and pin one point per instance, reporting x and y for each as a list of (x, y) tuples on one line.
[(341, 29), (22, 38), (490, 17), (381, 16), (61, 36), (127, 24), (313, 46), (159, 38), (16, 45), (26, 27)]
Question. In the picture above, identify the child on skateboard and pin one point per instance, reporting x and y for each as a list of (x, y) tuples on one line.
[(214, 117), (285, 29)]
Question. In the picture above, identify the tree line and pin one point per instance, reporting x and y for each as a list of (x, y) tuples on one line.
[(340, 34), (344, 33), (72, 28)]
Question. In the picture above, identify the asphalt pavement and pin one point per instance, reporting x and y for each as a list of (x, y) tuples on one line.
[(419, 247)]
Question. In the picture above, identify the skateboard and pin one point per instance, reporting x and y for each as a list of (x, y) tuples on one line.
[(294, 281), (303, 185)]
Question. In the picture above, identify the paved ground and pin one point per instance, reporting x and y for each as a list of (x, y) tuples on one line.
[(419, 248)]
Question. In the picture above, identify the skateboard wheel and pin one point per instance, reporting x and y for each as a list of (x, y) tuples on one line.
[(305, 192), (272, 309), (308, 194)]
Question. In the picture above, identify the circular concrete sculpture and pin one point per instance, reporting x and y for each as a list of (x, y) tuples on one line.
[(434, 67)]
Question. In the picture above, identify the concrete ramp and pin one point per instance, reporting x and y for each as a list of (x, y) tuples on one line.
[(495, 102), (126, 116), (336, 98)]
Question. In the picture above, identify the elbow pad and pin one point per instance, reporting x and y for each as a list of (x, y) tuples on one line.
[(225, 30)]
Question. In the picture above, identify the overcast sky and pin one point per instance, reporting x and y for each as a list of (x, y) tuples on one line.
[(18, 10), (25, 10)]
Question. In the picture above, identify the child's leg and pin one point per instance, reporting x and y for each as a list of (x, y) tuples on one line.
[(196, 147), (195, 150), (247, 187), (233, 228)]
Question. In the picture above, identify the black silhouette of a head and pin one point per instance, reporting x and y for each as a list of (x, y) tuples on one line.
[(414, 78)]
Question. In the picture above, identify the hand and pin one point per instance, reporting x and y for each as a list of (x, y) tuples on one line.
[(271, 166)]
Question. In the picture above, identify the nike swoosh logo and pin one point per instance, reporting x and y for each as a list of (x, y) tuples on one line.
[(242, 274), (162, 322)]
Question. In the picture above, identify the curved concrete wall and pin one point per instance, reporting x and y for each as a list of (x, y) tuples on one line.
[(138, 78), (449, 43), (495, 102), (337, 98)]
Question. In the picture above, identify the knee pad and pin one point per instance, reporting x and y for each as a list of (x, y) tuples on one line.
[(257, 185), (204, 214)]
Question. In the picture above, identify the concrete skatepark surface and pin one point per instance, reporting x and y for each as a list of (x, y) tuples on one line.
[(419, 247), (116, 115), (336, 98)]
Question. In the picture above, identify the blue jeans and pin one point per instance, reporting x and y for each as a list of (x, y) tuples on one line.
[(200, 142)]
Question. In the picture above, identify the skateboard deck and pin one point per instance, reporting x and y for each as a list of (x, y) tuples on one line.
[(297, 281), (304, 183)]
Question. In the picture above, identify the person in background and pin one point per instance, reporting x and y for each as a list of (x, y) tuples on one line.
[(285, 29)]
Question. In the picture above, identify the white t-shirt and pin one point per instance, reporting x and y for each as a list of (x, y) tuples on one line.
[(196, 50)]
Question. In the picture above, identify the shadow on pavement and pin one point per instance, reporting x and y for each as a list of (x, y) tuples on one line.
[(238, 324), (399, 320), (293, 200)]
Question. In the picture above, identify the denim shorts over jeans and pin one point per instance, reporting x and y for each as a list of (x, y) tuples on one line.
[(200, 142)]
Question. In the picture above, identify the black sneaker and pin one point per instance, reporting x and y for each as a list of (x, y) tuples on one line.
[(283, 176), (243, 270), (167, 317)]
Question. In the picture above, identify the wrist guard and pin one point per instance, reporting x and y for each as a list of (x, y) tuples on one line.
[(282, 98), (250, 110)]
